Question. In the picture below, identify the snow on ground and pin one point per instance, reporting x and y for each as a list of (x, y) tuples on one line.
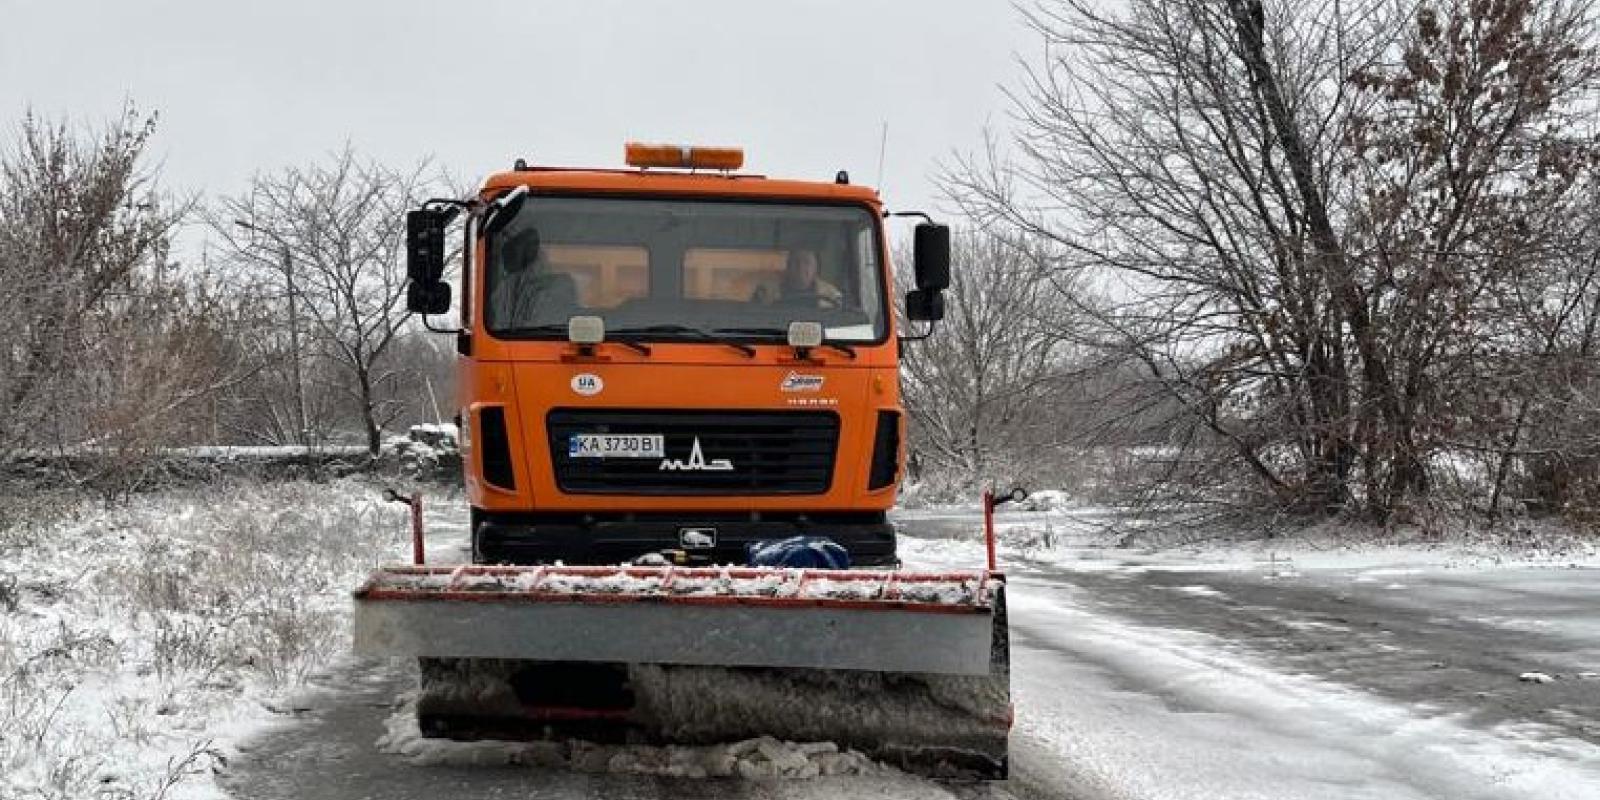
[(331, 753), (763, 757), (267, 451), (1120, 708), (138, 641), (1076, 538), (1135, 707), (1473, 577)]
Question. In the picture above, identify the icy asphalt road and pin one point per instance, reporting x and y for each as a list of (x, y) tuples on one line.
[(1141, 680)]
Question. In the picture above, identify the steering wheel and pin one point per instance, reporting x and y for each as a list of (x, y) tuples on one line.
[(811, 300)]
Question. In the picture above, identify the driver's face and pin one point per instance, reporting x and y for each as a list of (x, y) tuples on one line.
[(805, 269)]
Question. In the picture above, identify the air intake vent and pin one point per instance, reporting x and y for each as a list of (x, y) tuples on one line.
[(494, 449), (885, 450)]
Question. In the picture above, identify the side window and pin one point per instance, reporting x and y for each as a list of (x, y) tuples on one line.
[(866, 264), (471, 256)]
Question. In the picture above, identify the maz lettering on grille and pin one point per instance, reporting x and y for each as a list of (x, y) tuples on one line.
[(697, 461)]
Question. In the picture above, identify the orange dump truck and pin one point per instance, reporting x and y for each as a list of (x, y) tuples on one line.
[(668, 373)]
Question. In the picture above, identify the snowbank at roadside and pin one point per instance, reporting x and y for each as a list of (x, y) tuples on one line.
[(1084, 539)]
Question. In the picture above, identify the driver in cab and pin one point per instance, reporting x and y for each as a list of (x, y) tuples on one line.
[(530, 291), (802, 284)]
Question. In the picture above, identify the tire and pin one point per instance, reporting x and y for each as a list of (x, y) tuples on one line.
[(475, 518)]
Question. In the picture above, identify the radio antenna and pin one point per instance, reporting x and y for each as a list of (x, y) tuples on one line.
[(883, 145)]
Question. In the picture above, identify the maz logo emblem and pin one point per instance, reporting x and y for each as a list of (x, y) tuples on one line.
[(697, 461)]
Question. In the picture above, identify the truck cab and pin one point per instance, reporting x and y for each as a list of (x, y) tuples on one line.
[(674, 358)]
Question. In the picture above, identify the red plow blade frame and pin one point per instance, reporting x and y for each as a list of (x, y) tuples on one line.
[(880, 621)]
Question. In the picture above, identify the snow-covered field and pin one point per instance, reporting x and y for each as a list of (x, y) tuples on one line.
[(138, 642)]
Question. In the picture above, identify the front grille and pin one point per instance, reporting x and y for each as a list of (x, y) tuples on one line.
[(771, 452)]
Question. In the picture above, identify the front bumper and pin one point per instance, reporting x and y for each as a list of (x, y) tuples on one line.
[(614, 539)]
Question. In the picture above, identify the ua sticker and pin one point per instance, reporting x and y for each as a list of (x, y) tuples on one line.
[(587, 384)]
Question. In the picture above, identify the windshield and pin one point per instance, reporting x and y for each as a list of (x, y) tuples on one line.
[(661, 269)]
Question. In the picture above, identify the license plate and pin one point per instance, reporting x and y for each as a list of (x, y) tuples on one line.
[(616, 445)]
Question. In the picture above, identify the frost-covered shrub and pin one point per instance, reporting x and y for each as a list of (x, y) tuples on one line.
[(427, 452)]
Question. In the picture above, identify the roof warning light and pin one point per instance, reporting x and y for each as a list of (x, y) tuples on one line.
[(683, 156)]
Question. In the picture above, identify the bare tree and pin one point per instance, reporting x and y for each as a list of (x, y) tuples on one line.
[(1303, 212), (980, 389), (77, 220), (157, 357), (1538, 388), (328, 240), (116, 350)]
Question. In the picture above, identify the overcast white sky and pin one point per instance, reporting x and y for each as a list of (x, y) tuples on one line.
[(803, 86)]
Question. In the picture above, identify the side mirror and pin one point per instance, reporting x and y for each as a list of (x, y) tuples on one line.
[(924, 305), (425, 228), (931, 256), (428, 297)]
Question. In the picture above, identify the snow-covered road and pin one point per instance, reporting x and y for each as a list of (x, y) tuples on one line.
[(1150, 678), (1328, 676), (330, 751)]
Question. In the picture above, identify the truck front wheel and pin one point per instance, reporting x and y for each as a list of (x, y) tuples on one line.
[(474, 530)]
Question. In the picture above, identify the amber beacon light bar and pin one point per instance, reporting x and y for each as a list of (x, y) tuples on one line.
[(683, 156)]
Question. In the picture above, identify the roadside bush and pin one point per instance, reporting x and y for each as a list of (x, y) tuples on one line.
[(164, 613)]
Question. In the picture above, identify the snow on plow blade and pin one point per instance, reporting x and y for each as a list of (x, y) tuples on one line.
[(910, 667), (878, 621)]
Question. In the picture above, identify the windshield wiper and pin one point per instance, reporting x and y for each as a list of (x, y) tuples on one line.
[(549, 327), (561, 328), (839, 346), (691, 331)]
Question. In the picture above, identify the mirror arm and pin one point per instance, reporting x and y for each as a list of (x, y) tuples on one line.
[(925, 334), (490, 211), (429, 326), (456, 206)]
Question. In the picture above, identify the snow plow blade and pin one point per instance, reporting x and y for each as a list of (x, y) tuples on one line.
[(911, 668)]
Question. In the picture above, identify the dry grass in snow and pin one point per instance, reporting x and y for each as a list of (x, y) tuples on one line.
[(133, 637)]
